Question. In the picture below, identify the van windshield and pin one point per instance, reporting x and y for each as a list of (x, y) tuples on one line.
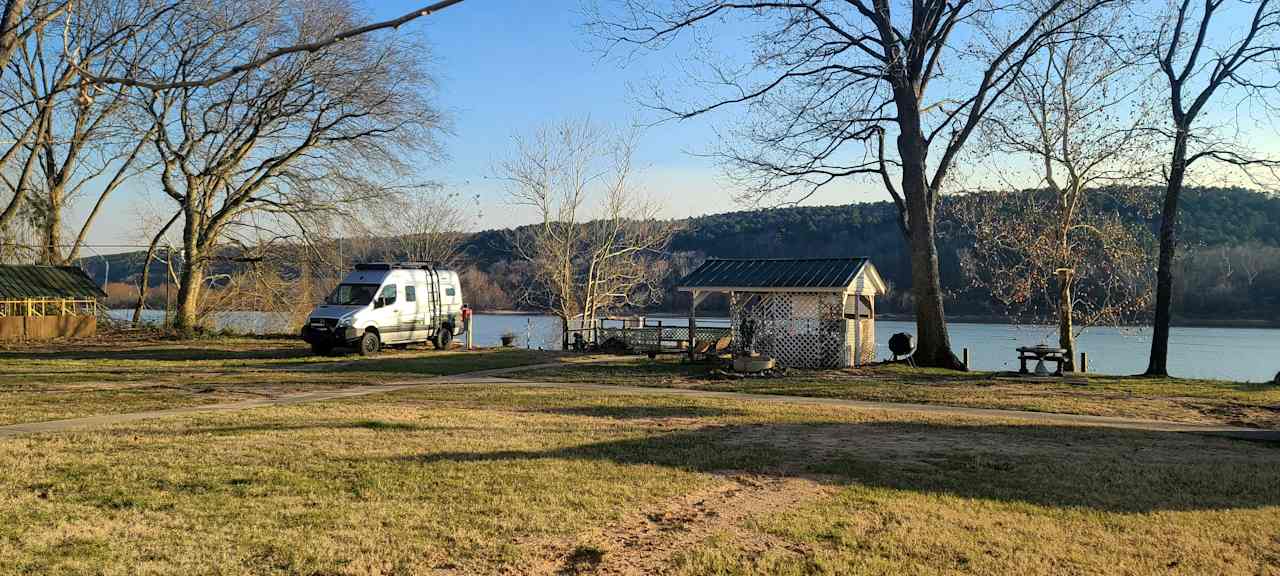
[(352, 294)]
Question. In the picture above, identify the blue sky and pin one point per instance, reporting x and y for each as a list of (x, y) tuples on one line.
[(505, 67)]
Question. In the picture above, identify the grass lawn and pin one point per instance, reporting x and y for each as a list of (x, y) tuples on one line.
[(99, 377), (479, 480), (1243, 404)]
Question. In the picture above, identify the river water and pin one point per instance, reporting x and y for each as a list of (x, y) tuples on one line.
[(1239, 354)]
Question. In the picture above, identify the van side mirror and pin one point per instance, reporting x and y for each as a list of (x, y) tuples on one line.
[(378, 303)]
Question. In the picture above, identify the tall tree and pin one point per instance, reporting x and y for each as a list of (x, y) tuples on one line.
[(594, 243), (1077, 113), (1207, 50), (285, 145), (830, 82), (63, 96)]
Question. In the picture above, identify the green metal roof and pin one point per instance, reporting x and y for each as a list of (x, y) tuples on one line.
[(23, 282), (800, 273)]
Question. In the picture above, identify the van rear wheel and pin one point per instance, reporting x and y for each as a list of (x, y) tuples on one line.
[(443, 338), (370, 343)]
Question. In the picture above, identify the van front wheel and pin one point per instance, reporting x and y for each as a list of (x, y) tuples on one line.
[(370, 343), (443, 338)]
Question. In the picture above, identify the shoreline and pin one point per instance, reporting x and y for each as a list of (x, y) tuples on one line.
[(972, 319)]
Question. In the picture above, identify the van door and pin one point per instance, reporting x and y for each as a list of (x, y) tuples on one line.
[(386, 314)]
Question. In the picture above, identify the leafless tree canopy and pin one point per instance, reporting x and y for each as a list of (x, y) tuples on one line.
[(282, 147), (424, 223), (1076, 114), (72, 132), (596, 237)]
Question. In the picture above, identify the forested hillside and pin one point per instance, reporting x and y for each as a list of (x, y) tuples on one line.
[(1231, 268), (1230, 271)]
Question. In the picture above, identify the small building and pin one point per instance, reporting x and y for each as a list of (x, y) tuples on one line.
[(803, 312), (45, 302)]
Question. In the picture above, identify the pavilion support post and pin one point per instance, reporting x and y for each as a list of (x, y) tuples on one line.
[(693, 325), (857, 330)]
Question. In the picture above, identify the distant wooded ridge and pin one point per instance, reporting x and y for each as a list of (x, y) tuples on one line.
[(1230, 271)]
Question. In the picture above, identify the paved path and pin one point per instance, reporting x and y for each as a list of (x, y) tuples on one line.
[(493, 378)]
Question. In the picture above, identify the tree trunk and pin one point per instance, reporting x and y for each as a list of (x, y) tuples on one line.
[(1158, 364), (1066, 336), (186, 320), (53, 229), (142, 287), (193, 268), (933, 343), (9, 24), (146, 269)]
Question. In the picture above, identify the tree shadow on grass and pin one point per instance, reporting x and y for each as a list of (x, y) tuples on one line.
[(1067, 467), (637, 412), (318, 425), (420, 362), (195, 352)]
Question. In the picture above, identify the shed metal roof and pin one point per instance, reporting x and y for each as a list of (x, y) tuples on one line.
[(23, 282), (809, 274)]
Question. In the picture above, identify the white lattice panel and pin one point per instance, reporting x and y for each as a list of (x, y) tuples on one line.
[(798, 330)]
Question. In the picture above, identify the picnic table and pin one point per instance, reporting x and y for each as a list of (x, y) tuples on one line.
[(1040, 354)]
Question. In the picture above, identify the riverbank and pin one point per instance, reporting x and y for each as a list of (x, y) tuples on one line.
[(1177, 322), (958, 318)]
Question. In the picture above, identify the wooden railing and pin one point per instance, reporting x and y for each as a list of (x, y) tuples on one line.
[(645, 336), (49, 307)]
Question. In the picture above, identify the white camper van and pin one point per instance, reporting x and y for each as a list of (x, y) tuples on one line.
[(382, 303)]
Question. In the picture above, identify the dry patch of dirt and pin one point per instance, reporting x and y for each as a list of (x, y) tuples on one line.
[(645, 542)]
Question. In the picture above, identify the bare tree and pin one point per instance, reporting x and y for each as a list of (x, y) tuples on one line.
[(482, 291), (593, 246), (85, 136), (1098, 273), (422, 223), (144, 280), (1207, 50), (252, 13), (829, 82), (60, 131), (70, 70), (1076, 113), (273, 153)]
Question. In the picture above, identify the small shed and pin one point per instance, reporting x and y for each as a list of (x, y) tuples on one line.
[(803, 312), (44, 302)]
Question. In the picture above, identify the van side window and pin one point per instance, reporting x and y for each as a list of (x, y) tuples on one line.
[(410, 294), (449, 291), (388, 294)]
